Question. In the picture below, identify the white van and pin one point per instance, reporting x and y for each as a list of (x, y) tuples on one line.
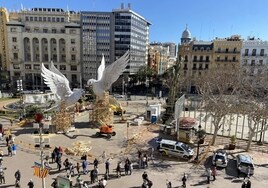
[(174, 148)]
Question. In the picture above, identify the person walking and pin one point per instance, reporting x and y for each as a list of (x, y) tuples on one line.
[(118, 169), (248, 184), (14, 149), (126, 168), (78, 166), (96, 163), (9, 150), (184, 179), (2, 176), (145, 176), (208, 175), (107, 167), (84, 166), (214, 172), (30, 184), (18, 175), (130, 168), (7, 140), (168, 183)]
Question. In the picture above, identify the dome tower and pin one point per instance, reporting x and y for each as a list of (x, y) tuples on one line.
[(186, 36)]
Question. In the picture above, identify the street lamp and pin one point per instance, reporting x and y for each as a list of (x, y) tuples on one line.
[(40, 125), (20, 90), (147, 85), (198, 143)]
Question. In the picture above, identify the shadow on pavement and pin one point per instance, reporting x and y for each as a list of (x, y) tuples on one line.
[(201, 183), (231, 170)]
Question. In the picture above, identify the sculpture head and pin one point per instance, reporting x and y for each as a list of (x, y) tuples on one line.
[(90, 82)]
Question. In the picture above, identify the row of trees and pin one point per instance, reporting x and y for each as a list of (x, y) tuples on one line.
[(235, 90), (225, 90)]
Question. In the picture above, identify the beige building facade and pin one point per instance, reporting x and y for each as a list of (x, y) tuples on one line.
[(4, 55), (41, 35)]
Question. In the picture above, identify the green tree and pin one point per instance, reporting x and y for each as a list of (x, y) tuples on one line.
[(171, 78)]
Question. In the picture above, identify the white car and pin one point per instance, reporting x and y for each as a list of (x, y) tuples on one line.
[(118, 96), (220, 158)]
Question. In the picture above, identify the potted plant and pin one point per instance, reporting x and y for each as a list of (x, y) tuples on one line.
[(232, 143)]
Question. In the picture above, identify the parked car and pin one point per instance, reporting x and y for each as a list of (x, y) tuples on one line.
[(220, 158), (174, 148), (118, 96), (244, 164)]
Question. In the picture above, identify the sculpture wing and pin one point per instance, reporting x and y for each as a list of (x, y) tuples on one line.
[(57, 83), (55, 70), (101, 68), (112, 72)]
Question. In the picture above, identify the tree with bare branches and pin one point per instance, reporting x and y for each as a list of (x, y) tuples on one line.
[(217, 87), (253, 101)]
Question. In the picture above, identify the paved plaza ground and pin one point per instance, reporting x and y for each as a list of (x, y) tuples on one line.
[(118, 149)]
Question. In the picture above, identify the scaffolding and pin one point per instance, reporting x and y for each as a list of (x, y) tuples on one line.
[(101, 113)]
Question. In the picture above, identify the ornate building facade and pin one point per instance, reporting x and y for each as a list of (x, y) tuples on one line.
[(43, 35), (4, 55)]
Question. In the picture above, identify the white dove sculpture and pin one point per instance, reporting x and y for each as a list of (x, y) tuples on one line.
[(59, 85), (107, 76)]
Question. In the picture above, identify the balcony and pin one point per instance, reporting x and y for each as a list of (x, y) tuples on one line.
[(229, 52), (223, 60), (73, 62)]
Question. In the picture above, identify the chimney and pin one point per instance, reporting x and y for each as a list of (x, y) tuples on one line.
[(129, 6), (122, 5)]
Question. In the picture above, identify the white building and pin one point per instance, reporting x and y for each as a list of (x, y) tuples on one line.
[(41, 35), (254, 55)]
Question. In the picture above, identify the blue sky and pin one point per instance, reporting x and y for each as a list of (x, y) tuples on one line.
[(206, 19)]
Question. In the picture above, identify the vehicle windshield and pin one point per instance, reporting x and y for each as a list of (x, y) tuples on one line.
[(246, 164), (186, 147), (219, 157)]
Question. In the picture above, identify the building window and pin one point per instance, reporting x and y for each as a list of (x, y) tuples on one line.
[(194, 67), (195, 58), (200, 66), (28, 66), (219, 49), (27, 29), (14, 39), (62, 67), (207, 58), (36, 30), (44, 19), (46, 57), (254, 52), (226, 50), (49, 19), (54, 30), (15, 56), (218, 58), (245, 62), (45, 30), (27, 18), (54, 57), (234, 58), (202, 49), (246, 52), (36, 67), (53, 19), (235, 49), (73, 68), (73, 57), (58, 19), (201, 58), (31, 19), (63, 58), (72, 41), (16, 66), (253, 62), (261, 62), (62, 19), (40, 19), (13, 29), (226, 58), (262, 52), (206, 66), (62, 30)]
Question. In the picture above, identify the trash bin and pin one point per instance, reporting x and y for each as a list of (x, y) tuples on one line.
[(153, 119)]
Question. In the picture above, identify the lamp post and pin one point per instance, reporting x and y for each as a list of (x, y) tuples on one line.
[(198, 143), (20, 90), (147, 85), (38, 119)]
